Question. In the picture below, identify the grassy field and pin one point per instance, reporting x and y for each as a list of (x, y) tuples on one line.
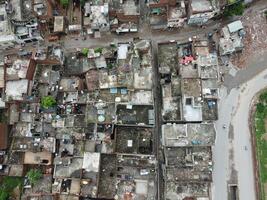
[(261, 140)]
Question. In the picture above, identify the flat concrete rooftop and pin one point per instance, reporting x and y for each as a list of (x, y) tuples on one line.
[(175, 135)]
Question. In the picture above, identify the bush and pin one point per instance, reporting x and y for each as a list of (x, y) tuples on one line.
[(64, 3), (48, 102), (34, 176)]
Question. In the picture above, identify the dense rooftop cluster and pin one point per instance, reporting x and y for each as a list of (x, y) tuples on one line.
[(89, 129), (126, 120)]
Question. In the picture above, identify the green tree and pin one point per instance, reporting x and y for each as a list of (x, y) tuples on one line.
[(260, 108), (263, 97), (64, 3), (48, 102), (7, 186), (98, 50), (34, 176), (85, 51), (234, 9)]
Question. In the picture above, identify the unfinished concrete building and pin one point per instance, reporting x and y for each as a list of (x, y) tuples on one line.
[(124, 16), (179, 135), (127, 177), (167, 14), (231, 38), (200, 11), (96, 17), (188, 160)]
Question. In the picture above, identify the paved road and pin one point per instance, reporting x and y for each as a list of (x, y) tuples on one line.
[(234, 108), (243, 158), (145, 33), (221, 149), (73, 42)]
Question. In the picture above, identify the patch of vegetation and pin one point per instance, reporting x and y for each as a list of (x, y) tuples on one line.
[(98, 50), (85, 51), (234, 9), (231, 1), (48, 102), (34, 175), (8, 185), (82, 2), (64, 3), (113, 45), (261, 142), (110, 65)]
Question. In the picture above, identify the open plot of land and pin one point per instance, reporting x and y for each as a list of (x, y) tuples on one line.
[(167, 55), (255, 40), (134, 140), (107, 179), (133, 114)]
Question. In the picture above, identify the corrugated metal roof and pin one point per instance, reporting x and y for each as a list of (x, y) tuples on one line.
[(235, 26)]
